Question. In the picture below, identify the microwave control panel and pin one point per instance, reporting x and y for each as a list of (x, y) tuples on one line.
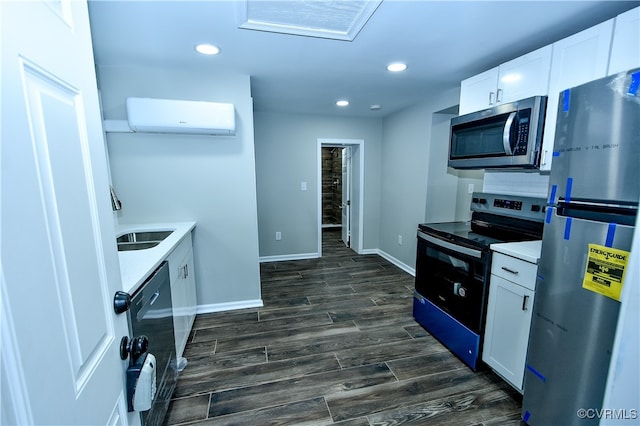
[(522, 138)]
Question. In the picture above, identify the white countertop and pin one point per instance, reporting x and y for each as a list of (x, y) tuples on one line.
[(135, 265), (529, 251)]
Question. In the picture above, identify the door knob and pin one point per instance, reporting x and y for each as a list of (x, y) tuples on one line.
[(121, 302), (136, 347)]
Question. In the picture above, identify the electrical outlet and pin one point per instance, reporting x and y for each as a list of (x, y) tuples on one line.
[(470, 188), (278, 236), (303, 186), (400, 240)]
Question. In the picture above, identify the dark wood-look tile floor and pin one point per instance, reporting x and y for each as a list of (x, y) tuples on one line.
[(336, 342)]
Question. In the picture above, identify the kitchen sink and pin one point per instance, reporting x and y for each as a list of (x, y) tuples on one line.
[(141, 240)]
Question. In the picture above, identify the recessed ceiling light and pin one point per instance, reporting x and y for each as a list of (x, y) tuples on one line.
[(207, 49), (342, 103), (396, 67)]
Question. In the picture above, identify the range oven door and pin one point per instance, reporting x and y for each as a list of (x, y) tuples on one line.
[(451, 294)]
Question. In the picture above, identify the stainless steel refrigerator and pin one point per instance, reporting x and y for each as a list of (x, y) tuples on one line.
[(594, 192)]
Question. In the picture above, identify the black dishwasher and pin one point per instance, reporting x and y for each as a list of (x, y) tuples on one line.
[(151, 315)]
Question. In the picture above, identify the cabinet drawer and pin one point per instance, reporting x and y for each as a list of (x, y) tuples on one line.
[(514, 270)]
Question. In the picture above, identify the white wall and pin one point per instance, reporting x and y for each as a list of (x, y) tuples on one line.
[(406, 178), (444, 183), (208, 179), (286, 155)]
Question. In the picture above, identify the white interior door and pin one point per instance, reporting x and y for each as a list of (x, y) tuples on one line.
[(346, 195), (60, 335)]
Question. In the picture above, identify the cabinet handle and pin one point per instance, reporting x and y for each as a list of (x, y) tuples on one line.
[(185, 271), (524, 302), (491, 98), (498, 96), (510, 270)]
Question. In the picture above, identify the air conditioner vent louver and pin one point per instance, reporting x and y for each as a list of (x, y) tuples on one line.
[(177, 116)]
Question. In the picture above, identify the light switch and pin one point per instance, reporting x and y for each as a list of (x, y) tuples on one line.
[(303, 186)]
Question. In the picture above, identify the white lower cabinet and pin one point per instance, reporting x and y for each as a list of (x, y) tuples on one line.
[(183, 292), (511, 294)]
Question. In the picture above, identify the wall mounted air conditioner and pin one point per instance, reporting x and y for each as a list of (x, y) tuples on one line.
[(175, 116)]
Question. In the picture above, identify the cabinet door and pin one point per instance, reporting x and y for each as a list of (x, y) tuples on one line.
[(478, 92), (507, 329), (190, 292), (184, 309), (182, 291), (525, 76), (575, 60), (625, 48)]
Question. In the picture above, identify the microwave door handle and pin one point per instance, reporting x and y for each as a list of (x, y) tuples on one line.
[(506, 134)]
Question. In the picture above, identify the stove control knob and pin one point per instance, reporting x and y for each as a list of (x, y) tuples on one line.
[(458, 290), (483, 201)]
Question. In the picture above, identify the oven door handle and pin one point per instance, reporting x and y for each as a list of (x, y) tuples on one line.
[(450, 246)]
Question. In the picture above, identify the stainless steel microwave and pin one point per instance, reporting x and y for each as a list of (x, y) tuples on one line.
[(505, 136)]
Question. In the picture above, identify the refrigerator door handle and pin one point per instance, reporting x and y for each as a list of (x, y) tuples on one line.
[(524, 302)]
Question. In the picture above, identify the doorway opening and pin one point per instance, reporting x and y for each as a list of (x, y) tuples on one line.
[(340, 192), (336, 182)]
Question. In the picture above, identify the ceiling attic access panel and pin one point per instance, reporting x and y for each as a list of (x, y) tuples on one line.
[(336, 19)]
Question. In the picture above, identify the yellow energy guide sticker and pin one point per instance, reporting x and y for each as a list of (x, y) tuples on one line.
[(605, 270)]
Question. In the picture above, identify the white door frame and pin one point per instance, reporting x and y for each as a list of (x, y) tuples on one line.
[(357, 237)]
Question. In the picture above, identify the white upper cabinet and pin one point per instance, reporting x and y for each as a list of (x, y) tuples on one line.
[(525, 76), (520, 78), (576, 60), (625, 48), (478, 92)]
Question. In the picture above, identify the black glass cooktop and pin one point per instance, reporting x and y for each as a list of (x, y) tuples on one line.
[(459, 233), (481, 234)]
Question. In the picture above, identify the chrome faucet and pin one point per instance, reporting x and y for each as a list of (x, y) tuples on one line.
[(116, 204)]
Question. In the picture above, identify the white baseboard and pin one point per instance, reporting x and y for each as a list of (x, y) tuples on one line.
[(285, 257), (408, 269), (229, 306), (370, 251)]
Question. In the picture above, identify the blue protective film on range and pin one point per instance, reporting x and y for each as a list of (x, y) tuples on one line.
[(611, 232)]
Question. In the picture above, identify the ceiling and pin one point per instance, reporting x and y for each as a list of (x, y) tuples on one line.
[(442, 42)]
